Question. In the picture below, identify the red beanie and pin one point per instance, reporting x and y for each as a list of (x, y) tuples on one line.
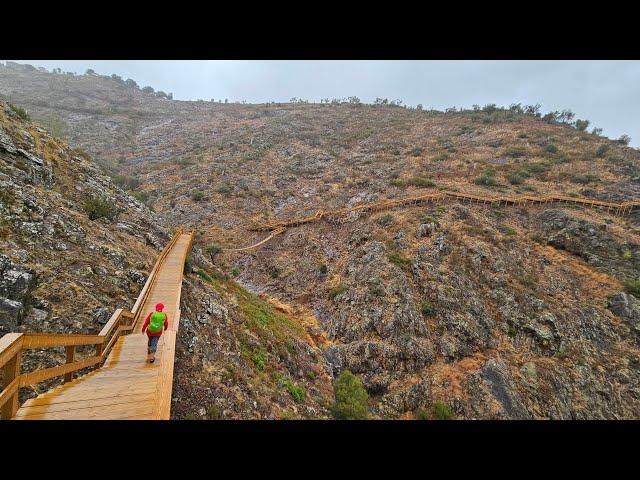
[(159, 307)]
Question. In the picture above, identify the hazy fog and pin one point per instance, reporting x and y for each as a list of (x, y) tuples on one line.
[(605, 92)]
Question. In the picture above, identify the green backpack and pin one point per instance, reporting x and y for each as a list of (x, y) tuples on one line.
[(156, 324)]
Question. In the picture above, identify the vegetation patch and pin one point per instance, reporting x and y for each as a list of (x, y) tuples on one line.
[(399, 260), (442, 411), (21, 112), (515, 152), (197, 195), (487, 179), (338, 290), (385, 220), (584, 179), (260, 360), (100, 207), (351, 398), (632, 287), (427, 308)]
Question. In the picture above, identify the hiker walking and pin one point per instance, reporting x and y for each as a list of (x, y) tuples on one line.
[(155, 323)]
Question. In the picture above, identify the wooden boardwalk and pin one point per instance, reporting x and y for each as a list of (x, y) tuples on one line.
[(279, 226), (126, 386)]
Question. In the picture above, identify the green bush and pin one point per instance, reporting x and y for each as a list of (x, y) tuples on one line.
[(205, 276), (334, 292), (100, 207), (632, 287), (516, 178), (259, 359), (422, 414), (442, 411), (551, 148), (197, 196), (515, 152), (213, 249), (385, 220), (21, 112), (582, 125), (323, 269), (427, 308), (297, 393), (351, 398), (584, 179), (487, 178), (141, 196), (126, 182), (399, 260), (421, 182), (624, 140), (224, 189), (602, 149)]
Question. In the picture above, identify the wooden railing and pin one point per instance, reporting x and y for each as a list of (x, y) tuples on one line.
[(13, 345)]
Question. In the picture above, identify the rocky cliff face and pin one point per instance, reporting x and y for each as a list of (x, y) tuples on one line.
[(62, 271), (495, 312)]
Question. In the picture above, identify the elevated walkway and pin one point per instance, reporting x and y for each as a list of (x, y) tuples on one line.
[(125, 386)]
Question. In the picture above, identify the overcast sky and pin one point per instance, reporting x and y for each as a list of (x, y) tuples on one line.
[(605, 92)]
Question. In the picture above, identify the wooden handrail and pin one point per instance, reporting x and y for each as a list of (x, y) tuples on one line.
[(13, 344)]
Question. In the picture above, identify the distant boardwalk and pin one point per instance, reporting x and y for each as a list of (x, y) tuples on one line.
[(617, 208)]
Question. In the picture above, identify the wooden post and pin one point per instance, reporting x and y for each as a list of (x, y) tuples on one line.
[(71, 352), (11, 371), (99, 347)]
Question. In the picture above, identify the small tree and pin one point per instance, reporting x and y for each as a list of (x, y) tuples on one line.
[(582, 125), (100, 207), (351, 398), (197, 196), (624, 139), (212, 250)]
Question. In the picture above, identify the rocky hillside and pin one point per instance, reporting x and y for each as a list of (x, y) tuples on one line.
[(62, 270), (494, 312)]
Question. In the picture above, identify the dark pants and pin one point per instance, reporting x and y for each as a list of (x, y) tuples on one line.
[(153, 344)]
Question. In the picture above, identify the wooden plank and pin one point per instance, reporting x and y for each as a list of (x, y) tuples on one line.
[(134, 398), (10, 345), (94, 413), (87, 391), (93, 394)]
